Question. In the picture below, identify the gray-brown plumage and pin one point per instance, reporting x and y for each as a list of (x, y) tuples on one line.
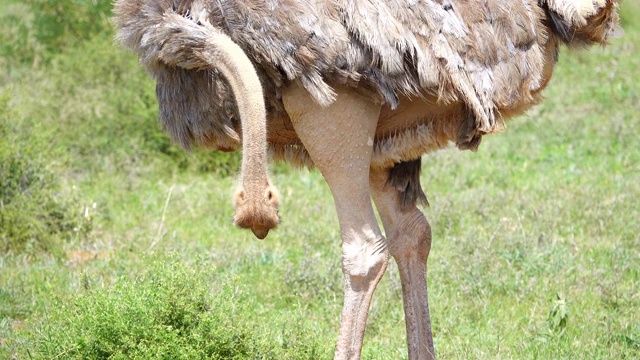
[(489, 58), (431, 71)]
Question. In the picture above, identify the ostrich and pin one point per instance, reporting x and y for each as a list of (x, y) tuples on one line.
[(359, 89)]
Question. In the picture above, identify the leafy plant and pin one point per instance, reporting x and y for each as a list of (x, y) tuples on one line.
[(558, 315), (60, 23), (174, 311), (35, 214)]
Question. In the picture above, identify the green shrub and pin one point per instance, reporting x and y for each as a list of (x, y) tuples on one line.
[(35, 214), (93, 98), (59, 21), (174, 311), (17, 43), (34, 30)]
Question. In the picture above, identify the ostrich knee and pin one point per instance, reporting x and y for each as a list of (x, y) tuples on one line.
[(364, 261), (411, 241)]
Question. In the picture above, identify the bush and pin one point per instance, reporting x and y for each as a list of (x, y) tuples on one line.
[(58, 21), (35, 30), (34, 213), (171, 312), (94, 99), (17, 43)]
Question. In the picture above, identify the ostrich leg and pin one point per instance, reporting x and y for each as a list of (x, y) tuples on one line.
[(339, 139), (409, 237)]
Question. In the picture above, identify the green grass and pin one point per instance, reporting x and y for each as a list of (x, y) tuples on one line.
[(535, 254)]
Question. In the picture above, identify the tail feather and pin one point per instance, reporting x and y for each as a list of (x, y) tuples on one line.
[(582, 22)]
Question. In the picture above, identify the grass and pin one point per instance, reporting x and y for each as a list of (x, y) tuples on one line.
[(535, 249)]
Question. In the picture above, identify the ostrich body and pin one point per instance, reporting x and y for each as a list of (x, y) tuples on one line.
[(360, 89)]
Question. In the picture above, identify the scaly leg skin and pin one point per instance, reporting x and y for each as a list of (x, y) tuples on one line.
[(409, 236), (339, 139)]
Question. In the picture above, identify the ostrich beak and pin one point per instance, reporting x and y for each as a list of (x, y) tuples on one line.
[(260, 233)]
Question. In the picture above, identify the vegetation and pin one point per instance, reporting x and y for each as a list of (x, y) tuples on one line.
[(35, 214), (169, 312), (116, 244)]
